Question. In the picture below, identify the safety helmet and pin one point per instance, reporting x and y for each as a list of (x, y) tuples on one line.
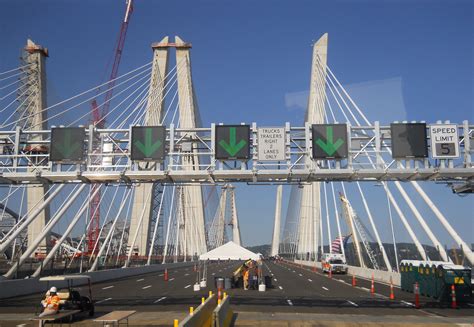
[(53, 290)]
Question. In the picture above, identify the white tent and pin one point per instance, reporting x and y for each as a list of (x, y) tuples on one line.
[(229, 251)]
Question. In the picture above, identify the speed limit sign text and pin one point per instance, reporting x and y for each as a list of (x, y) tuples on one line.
[(444, 141)]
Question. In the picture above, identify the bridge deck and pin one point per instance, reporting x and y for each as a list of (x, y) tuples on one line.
[(296, 291)]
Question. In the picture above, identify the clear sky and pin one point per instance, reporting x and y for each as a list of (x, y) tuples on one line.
[(251, 63)]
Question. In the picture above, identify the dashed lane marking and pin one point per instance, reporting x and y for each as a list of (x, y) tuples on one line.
[(276, 280), (213, 274), (141, 279), (160, 299), (107, 299), (107, 287), (310, 280), (470, 304), (289, 302), (325, 288), (145, 287), (160, 275), (187, 286), (300, 275), (280, 287), (354, 304), (186, 274), (171, 279)]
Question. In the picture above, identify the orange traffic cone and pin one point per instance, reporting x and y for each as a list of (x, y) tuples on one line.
[(314, 268), (392, 296), (372, 286), (454, 304), (330, 273), (166, 275), (417, 296), (354, 281)]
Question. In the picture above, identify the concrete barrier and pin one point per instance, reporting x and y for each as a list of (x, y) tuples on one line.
[(223, 314), (18, 287), (379, 275), (202, 316)]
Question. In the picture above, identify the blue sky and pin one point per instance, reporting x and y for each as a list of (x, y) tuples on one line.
[(251, 62)]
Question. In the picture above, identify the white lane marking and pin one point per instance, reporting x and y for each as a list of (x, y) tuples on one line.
[(324, 288), (289, 302), (141, 279), (171, 279), (160, 299), (354, 304), (470, 304), (276, 280), (109, 298), (145, 287), (365, 289), (280, 287), (187, 286), (294, 271), (300, 275), (107, 287), (186, 274), (213, 274), (160, 275), (310, 280), (408, 303)]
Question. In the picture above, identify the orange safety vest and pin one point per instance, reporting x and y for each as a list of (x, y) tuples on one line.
[(54, 300)]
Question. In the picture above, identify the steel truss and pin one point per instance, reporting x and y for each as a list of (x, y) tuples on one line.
[(19, 166)]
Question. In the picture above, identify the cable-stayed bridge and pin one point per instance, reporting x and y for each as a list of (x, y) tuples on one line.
[(153, 174)]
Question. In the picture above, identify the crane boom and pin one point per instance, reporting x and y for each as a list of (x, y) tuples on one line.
[(98, 119)]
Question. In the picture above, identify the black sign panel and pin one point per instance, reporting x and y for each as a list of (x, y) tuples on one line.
[(409, 140), (329, 141), (67, 144), (148, 143), (232, 142)]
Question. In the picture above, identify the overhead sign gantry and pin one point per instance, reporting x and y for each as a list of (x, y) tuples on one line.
[(240, 153)]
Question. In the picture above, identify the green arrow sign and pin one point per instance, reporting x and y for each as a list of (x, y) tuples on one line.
[(149, 147), (232, 142), (232, 147), (67, 144), (330, 147), (67, 147), (148, 143), (330, 141)]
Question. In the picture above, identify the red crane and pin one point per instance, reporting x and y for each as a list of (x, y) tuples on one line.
[(98, 119)]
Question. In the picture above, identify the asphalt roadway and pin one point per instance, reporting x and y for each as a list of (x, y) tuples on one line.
[(295, 290)]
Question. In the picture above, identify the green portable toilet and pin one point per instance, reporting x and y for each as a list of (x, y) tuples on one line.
[(409, 276), (460, 277)]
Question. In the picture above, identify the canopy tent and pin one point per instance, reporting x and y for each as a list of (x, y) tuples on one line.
[(229, 251)]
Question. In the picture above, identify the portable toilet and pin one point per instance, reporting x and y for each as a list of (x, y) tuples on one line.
[(460, 277), (410, 274)]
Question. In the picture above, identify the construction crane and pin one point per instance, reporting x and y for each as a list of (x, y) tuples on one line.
[(98, 119)]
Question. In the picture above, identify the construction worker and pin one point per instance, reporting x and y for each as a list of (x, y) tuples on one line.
[(246, 279), (51, 303)]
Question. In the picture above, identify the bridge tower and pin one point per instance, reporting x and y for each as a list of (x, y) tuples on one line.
[(309, 221), (143, 218), (234, 220), (31, 113), (276, 225), (195, 236)]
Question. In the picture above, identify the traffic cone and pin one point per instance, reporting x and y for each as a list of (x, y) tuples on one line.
[(392, 296), (166, 275), (219, 293), (195, 268), (314, 268), (330, 273), (417, 296), (454, 304), (372, 286), (354, 281)]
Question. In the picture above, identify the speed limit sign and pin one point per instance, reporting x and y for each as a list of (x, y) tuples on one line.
[(444, 141)]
